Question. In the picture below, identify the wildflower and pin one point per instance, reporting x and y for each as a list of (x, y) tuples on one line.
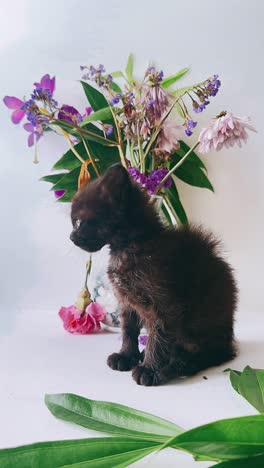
[(70, 114), (155, 178), (169, 136), (225, 130), (36, 131), (108, 129), (32, 111), (140, 178), (47, 83), (44, 95), (16, 105), (190, 125), (115, 99)]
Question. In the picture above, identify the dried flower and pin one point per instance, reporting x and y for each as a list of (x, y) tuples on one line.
[(225, 130), (190, 125), (156, 103), (169, 136)]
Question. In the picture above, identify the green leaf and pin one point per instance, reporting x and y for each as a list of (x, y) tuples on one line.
[(52, 178), (129, 67), (115, 87), (117, 74), (96, 99), (69, 160), (94, 452), (184, 148), (191, 173), (167, 82), (102, 115), (68, 181), (250, 385), (110, 418), (225, 439), (251, 462), (177, 204)]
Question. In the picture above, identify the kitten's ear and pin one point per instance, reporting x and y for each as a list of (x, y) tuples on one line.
[(116, 175), (116, 182)]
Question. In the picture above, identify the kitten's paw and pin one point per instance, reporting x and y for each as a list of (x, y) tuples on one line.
[(146, 376), (122, 362)]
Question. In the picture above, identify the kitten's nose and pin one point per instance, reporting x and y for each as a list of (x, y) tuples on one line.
[(72, 237)]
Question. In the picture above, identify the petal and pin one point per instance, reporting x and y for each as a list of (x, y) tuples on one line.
[(12, 102), (31, 139), (17, 116), (28, 127), (96, 310)]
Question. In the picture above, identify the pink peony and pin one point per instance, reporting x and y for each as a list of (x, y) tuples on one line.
[(77, 322), (169, 136), (225, 130)]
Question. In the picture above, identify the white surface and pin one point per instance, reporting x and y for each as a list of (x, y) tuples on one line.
[(39, 357)]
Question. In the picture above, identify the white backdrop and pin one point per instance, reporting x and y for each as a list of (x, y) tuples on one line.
[(39, 267)]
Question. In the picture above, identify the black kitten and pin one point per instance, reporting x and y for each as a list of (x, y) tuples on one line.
[(171, 280)]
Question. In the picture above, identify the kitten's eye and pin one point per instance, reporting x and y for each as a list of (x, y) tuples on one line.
[(77, 223)]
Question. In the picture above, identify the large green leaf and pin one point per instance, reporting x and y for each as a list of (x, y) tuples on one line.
[(177, 204), (251, 462), (96, 99), (225, 439), (110, 418), (104, 156), (101, 115), (129, 67), (167, 82), (250, 385), (69, 161), (190, 173), (94, 452), (193, 157), (52, 178)]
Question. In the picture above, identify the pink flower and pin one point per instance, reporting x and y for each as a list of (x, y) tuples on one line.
[(14, 103), (46, 82), (225, 130), (37, 131), (169, 136), (77, 322)]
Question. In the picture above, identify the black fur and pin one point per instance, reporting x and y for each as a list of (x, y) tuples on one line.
[(171, 280)]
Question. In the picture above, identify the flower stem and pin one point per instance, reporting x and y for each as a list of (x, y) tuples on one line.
[(170, 210), (89, 155), (78, 156), (176, 167), (119, 145), (88, 270)]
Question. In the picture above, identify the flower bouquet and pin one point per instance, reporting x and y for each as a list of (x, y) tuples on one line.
[(142, 123)]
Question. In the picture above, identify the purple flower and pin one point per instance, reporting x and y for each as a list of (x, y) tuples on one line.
[(47, 83), (37, 131), (70, 114), (142, 339), (138, 176), (108, 130), (155, 178), (88, 111), (115, 99), (59, 193), (14, 103), (188, 132)]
